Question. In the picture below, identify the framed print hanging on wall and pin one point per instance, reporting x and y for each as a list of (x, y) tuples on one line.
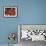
[(10, 11)]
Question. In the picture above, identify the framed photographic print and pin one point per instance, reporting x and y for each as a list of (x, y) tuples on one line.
[(10, 11)]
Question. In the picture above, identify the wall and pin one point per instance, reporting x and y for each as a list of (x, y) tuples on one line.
[(29, 12), (32, 11), (7, 25)]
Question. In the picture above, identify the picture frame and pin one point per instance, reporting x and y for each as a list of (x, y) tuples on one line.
[(10, 11)]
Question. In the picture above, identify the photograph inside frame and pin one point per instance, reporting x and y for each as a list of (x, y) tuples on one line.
[(10, 11)]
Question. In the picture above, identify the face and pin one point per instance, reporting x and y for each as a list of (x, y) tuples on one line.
[(10, 11)]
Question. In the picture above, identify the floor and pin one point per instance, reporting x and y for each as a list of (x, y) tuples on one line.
[(30, 43), (7, 45)]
